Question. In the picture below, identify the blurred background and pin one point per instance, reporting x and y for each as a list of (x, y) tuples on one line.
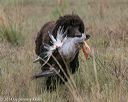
[(102, 78)]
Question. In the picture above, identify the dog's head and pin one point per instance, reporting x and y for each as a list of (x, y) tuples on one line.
[(73, 24)]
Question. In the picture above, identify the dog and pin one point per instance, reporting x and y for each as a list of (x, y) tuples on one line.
[(64, 52)]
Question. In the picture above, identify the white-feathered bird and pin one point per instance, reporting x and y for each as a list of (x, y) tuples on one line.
[(67, 46)]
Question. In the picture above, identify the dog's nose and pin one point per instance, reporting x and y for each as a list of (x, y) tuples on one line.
[(87, 37)]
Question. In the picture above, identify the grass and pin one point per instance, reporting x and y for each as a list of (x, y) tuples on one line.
[(9, 31), (102, 78), (11, 35)]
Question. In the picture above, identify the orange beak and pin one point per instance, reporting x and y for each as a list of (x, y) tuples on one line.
[(86, 50)]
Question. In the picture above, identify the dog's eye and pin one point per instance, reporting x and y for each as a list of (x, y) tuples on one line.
[(74, 32)]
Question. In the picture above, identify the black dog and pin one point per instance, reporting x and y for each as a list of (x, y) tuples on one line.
[(74, 28)]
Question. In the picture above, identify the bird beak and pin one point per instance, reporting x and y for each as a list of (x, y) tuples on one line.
[(86, 50)]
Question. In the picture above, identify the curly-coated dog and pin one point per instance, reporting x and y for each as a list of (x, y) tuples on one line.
[(71, 31)]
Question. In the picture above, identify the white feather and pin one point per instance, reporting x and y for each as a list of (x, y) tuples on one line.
[(70, 47)]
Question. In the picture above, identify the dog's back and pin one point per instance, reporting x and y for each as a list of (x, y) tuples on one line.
[(42, 36)]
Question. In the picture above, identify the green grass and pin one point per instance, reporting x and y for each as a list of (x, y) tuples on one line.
[(11, 35), (102, 78)]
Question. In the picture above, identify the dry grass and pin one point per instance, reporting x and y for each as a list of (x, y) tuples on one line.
[(103, 78)]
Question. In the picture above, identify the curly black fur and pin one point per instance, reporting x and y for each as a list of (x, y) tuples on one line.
[(69, 20), (72, 22)]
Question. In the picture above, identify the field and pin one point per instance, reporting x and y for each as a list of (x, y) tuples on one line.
[(102, 78)]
